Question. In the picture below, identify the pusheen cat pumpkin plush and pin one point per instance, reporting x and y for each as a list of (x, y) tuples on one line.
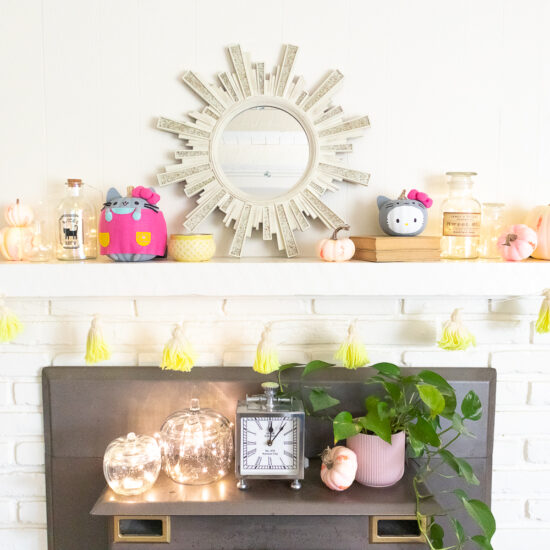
[(406, 216), (132, 229)]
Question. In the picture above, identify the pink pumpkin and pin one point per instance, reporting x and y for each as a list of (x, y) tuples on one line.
[(18, 214), (335, 249), (517, 243), (338, 468), (539, 220), (16, 243)]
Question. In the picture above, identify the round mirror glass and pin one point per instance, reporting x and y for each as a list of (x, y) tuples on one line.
[(264, 152)]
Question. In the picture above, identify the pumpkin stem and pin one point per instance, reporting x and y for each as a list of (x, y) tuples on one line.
[(403, 195), (16, 201), (340, 228), (325, 458), (510, 238)]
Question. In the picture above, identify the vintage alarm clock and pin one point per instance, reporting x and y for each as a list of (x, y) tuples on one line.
[(269, 438)]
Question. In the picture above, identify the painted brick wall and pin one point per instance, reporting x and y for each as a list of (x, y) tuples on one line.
[(226, 331)]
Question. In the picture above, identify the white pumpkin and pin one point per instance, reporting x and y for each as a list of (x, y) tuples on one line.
[(539, 220), (19, 214), (335, 249), (16, 243)]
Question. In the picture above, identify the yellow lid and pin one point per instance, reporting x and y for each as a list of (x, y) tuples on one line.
[(197, 237)]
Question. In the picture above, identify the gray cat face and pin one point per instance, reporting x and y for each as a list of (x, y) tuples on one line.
[(402, 217), (125, 205)]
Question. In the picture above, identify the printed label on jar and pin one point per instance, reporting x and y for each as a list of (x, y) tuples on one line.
[(70, 231), (461, 224)]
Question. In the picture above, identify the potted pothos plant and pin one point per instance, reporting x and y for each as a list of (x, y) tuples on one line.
[(419, 412)]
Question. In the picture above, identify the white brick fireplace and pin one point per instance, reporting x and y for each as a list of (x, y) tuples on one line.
[(402, 328)]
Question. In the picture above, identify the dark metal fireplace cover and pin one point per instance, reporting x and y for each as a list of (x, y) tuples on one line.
[(86, 407)]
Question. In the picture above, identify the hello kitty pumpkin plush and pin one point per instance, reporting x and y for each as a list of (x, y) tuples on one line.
[(406, 216), (132, 228)]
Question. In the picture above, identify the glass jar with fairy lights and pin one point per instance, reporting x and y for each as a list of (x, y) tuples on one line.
[(131, 464), (197, 445)]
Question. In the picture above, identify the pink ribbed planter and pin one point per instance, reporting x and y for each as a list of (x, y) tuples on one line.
[(379, 464)]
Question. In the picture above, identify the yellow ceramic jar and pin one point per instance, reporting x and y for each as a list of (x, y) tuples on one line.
[(191, 248)]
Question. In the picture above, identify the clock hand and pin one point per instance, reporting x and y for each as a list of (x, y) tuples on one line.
[(280, 430), (270, 430)]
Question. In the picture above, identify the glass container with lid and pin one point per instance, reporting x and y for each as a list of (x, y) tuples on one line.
[(492, 226), (132, 463), (197, 445), (461, 218)]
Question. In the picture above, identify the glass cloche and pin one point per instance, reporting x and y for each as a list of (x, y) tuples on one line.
[(197, 445), (132, 463)]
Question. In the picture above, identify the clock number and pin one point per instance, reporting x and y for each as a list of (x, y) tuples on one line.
[(258, 462), (269, 461), (251, 453)]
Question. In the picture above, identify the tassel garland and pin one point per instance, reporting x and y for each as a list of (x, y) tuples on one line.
[(97, 349), (352, 352), (178, 353), (455, 335), (542, 325), (267, 358), (10, 325)]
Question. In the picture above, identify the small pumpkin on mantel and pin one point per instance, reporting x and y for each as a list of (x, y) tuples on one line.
[(16, 239), (517, 243), (539, 220), (338, 468), (336, 249)]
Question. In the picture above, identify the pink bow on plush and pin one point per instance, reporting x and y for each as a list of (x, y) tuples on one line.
[(143, 193), (415, 195)]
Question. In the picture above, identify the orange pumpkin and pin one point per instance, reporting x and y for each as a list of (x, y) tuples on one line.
[(16, 243), (335, 249), (539, 220), (338, 468)]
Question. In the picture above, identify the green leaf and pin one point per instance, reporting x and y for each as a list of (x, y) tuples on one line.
[(481, 514), (417, 447), (450, 406), (436, 535), (374, 422), (434, 379), (482, 542), (321, 400), (458, 425), (432, 397), (459, 531), (316, 365), (344, 426), (389, 369), (393, 390), (449, 459), (465, 471), (460, 494), (471, 406), (289, 366), (424, 432)]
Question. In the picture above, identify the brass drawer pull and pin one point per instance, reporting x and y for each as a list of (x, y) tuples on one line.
[(390, 529), (141, 529)]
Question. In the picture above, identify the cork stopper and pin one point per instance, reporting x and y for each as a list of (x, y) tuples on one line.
[(74, 182)]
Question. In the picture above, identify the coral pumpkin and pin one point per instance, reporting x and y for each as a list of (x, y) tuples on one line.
[(539, 220), (517, 243), (338, 468), (335, 249), (16, 243)]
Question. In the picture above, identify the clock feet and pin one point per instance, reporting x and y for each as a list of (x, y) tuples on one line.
[(296, 485), (242, 485)]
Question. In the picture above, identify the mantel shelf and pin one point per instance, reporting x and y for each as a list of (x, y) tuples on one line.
[(273, 277), (265, 498)]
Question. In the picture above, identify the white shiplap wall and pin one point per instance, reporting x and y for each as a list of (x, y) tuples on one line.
[(447, 85)]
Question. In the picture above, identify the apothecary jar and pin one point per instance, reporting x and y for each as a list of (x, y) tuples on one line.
[(131, 464), (197, 445)]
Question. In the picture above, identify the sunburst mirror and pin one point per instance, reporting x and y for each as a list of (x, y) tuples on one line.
[(263, 150)]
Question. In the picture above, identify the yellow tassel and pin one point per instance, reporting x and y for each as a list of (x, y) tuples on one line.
[(97, 349), (455, 335), (178, 353), (352, 352), (10, 325), (267, 358), (543, 322)]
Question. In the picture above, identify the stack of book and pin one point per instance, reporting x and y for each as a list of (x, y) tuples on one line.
[(397, 249)]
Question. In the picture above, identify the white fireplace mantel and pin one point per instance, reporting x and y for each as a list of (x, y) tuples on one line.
[(273, 276)]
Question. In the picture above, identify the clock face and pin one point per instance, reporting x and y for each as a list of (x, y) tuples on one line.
[(269, 445)]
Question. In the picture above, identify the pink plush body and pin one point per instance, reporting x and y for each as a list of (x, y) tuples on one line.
[(128, 236)]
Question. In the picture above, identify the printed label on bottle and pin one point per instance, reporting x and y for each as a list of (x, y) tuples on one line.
[(461, 224), (70, 231)]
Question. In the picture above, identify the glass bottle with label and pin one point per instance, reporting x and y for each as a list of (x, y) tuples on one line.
[(461, 218), (76, 225), (492, 227)]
